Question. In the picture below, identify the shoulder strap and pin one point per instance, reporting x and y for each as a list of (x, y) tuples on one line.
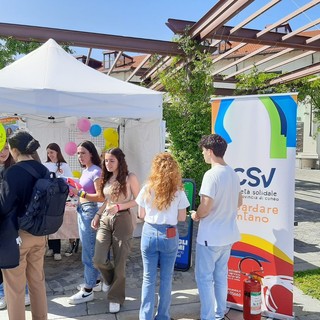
[(29, 169)]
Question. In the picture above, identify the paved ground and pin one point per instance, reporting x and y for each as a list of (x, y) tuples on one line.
[(62, 277), (307, 214)]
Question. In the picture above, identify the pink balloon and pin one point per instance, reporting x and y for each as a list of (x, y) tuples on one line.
[(70, 148), (84, 124)]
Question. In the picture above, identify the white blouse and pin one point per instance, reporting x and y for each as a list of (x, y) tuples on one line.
[(64, 171), (167, 216)]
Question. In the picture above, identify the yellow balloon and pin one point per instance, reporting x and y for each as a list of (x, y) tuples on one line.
[(110, 134), (113, 139), (76, 174), (115, 144), (110, 145), (3, 136)]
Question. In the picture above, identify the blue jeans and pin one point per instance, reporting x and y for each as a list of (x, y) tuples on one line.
[(86, 212), (157, 248), (211, 275), (2, 290)]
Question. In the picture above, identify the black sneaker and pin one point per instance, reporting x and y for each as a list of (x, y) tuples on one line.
[(69, 251), (76, 247)]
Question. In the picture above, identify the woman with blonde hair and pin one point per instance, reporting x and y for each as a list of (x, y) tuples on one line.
[(162, 203)]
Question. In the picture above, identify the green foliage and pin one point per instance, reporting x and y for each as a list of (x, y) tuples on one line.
[(258, 83), (10, 48), (309, 91), (308, 282), (189, 86)]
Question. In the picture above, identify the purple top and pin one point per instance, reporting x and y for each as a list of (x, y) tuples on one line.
[(88, 176)]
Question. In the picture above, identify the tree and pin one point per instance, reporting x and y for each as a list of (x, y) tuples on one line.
[(10, 48), (309, 91), (189, 86), (257, 83)]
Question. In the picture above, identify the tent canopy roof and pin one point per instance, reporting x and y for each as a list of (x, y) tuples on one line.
[(49, 81)]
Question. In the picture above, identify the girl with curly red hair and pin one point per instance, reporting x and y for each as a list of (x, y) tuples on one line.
[(162, 203)]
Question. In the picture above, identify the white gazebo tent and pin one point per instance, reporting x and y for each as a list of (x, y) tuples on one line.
[(49, 85)]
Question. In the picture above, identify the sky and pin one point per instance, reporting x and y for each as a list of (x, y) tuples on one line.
[(140, 18)]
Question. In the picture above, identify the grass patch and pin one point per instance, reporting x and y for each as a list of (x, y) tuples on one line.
[(309, 282)]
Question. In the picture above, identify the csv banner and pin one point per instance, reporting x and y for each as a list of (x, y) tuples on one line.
[(261, 135)]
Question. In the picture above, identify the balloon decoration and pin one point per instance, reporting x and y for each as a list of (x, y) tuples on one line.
[(76, 174), (110, 145), (70, 148), (95, 130), (84, 124), (112, 138), (3, 136)]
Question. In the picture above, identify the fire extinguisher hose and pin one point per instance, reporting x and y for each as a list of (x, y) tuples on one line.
[(252, 274)]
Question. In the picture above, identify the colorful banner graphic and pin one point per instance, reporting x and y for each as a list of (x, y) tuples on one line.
[(7, 126), (261, 136), (12, 123)]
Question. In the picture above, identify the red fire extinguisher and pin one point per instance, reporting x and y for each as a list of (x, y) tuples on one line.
[(252, 292)]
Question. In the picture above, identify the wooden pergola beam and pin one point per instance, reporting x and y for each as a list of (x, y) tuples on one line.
[(89, 39), (119, 54), (264, 60), (288, 17), (284, 62), (254, 15), (247, 56), (297, 74), (147, 57), (216, 17), (273, 39)]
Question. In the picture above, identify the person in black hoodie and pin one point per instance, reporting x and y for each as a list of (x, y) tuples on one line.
[(15, 194), (6, 161)]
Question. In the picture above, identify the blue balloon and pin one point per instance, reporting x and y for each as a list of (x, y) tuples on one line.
[(95, 130)]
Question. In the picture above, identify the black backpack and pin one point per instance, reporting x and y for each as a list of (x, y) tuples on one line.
[(45, 210)]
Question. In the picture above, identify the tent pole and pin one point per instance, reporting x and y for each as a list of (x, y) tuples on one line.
[(122, 130), (89, 56)]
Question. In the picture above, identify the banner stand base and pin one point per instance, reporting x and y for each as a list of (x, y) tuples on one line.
[(266, 314)]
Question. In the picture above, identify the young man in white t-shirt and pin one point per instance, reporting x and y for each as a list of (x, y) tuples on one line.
[(220, 197)]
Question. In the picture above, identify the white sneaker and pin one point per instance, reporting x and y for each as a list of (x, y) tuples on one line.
[(81, 297), (57, 256), (49, 253), (27, 300), (3, 303), (114, 307), (105, 287), (96, 288)]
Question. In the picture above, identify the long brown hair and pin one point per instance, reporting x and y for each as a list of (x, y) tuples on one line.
[(55, 147), (95, 159), (121, 186)]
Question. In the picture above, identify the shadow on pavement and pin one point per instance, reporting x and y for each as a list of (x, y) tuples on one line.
[(304, 247)]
